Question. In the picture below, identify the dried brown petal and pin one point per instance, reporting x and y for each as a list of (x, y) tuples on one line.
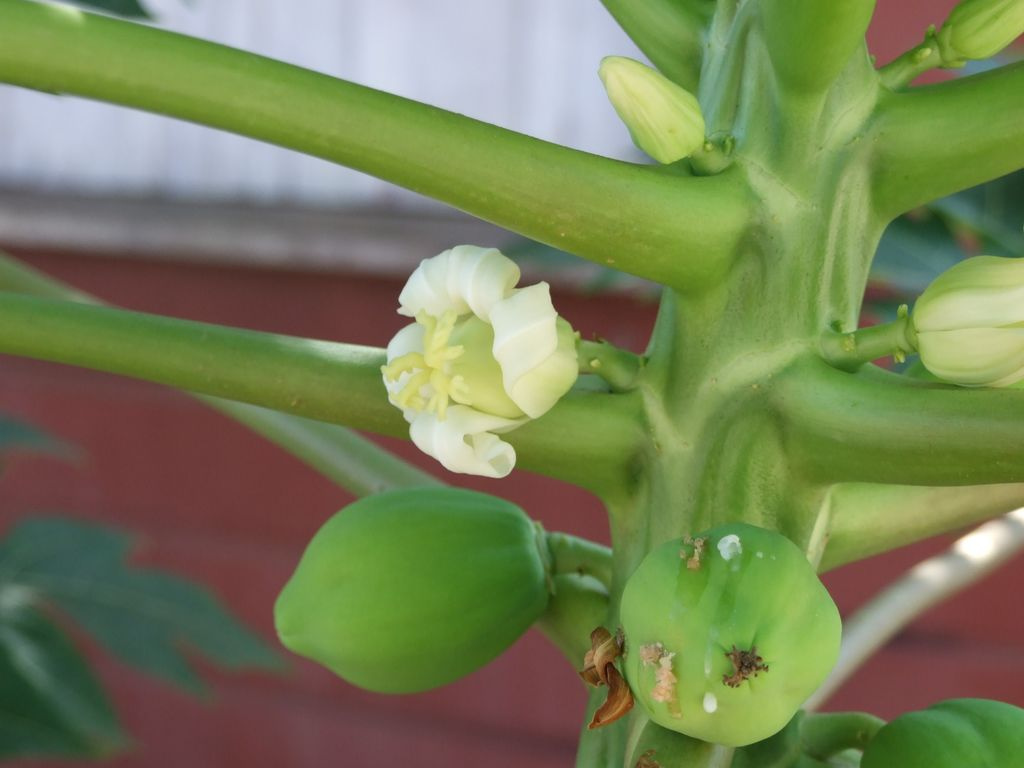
[(618, 703), (599, 669)]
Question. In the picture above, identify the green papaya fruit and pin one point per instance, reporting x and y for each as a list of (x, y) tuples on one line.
[(727, 634), (951, 734), (409, 590)]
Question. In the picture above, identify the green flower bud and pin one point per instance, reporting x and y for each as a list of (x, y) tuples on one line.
[(727, 634), (978, 29), (663, 118), (969, 323), (409, 590)]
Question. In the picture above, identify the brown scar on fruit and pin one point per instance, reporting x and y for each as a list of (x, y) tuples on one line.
[(599, 669), (647, 760), (664, 690), (745, 664), (651, 653), (698, 544)]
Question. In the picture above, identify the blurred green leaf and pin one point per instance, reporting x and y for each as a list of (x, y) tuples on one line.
[(143, 616), (18, 436), (130, 8), (50, 702), (921, 244)]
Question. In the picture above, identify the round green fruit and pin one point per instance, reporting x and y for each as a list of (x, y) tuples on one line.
[(727, 634), (409, 590), (961, 732)]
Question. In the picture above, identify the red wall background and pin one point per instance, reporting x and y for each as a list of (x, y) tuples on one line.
[(219, 504)]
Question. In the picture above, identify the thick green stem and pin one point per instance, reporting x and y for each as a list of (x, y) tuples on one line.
[(810, 42), (321, 380), (869, 519), (938, 139), (317, 379), (579, 605), (353, 462), (662, 226), (825, 735), (573, 555), (874, 426), (669, 32)]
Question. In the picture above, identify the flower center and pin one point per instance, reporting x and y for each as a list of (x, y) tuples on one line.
[(429, 370), (456, 365)]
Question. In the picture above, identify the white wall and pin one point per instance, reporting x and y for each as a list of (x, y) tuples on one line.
[(529, 65)]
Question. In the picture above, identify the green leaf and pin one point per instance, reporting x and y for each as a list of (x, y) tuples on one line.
[(914, 250), (143, 616), (132, 9), (50, 702), (992, 213), (19, 436)]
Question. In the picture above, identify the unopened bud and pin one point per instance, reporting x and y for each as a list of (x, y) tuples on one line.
[(663, 118), (969, 323), (978, 29)]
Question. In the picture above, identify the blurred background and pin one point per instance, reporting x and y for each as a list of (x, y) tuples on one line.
[(168, 217)]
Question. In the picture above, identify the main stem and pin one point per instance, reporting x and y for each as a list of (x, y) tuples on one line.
[(716, 444)]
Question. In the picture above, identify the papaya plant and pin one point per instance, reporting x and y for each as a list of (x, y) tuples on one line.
[(753, 444)]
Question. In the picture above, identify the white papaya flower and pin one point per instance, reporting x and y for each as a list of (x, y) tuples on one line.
[(482, 358), (969, 323)]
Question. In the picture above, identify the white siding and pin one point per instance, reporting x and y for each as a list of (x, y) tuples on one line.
[(529, 65)]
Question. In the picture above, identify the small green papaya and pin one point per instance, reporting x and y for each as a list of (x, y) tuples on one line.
[(727, 633), (957, 733), (409, 590)]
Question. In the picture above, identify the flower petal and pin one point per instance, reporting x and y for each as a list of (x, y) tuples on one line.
[(465, 279), (974, 357), (464, 442), (980, 292), (537, 366)]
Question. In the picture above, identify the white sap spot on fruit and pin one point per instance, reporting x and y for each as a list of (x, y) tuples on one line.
[(730, 546), (710, 703), (760, 555)]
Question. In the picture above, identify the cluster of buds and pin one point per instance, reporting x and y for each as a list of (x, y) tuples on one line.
[(481, 358)]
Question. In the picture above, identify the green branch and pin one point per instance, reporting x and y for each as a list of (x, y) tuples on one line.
[(326, 381), (339, 454), (938, 139), (811, 41), (906, 68), (316, 379), (825, 735), (573, 555), (849, 351), (578, 605), (669, 32), (873, 426), (664, 227), (870, 519)]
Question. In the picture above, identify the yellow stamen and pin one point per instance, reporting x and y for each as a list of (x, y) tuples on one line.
[(427, 369)]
